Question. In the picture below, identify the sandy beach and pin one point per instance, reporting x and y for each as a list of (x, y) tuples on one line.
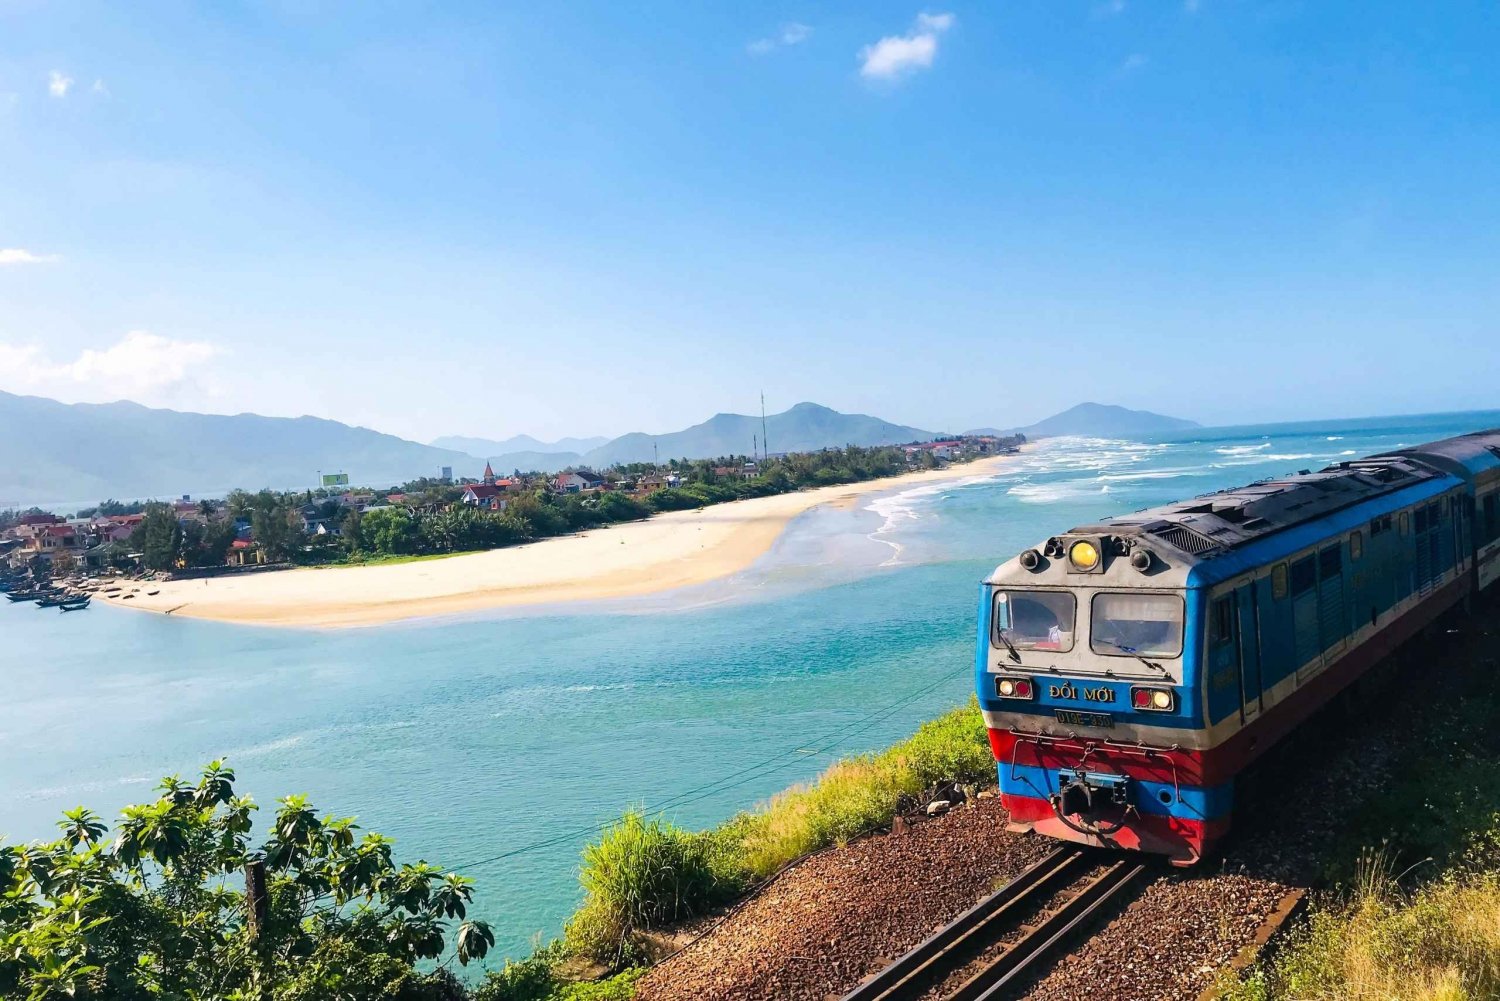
[(669, 551)]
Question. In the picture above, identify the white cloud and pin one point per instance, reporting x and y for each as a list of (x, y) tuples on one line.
[(16, 255), (1134, 61), (59, 84), (100, 89), (140, 366), (896, 55), (791, 33)]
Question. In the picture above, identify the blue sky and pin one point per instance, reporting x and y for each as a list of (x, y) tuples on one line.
[(591, 218)]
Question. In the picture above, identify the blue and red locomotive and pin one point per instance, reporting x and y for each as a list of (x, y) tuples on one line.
[(1130, 671)]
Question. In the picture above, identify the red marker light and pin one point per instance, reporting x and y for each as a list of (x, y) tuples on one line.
[(1141, 698), (1023, 689)]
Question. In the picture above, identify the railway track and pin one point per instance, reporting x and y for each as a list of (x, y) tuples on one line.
[(1003, 941)]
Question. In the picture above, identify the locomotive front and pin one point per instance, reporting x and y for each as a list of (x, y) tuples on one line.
[(1089, 690)]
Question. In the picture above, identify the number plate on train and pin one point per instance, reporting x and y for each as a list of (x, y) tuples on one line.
[(1072, 717)]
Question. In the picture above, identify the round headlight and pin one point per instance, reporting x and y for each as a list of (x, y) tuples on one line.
[(1083, 555), (1007, 688), (1162, 700)]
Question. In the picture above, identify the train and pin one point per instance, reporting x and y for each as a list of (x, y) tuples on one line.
[(1133, 672)]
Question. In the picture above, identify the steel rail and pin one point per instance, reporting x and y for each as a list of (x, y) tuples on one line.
[(957, 942), (1025, 956)]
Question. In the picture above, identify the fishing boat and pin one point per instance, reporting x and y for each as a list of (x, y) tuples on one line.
[(75, 604), (51, 600), (21, 595)]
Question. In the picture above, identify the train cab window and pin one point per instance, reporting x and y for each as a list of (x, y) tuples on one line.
[(1137, 625), (1036, 620), (1356, 546), (1304, 575), (1278, 581), (1330, 562), (1221, 623)]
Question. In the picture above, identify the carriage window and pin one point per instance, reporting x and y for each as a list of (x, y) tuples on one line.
[(1278, 581), (1421, 520), (1221, 627), (1129, 625), (1036, 620), (1330, 562), (1304, 575), (1356, 546)]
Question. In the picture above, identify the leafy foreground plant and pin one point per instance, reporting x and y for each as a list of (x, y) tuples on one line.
[(645, 873), (179, 905)]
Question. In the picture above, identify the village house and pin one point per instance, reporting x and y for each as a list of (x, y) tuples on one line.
[(578, 481), (245, 553), (489, 493)]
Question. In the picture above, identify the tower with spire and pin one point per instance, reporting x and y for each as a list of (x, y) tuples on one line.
[(489, 475)]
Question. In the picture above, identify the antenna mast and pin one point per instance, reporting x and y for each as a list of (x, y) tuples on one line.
[(765, 446)]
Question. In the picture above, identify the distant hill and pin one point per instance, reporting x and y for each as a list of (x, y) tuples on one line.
[(75, 453), (805, 427), (485, 448), (70, 455), (1105, 420)]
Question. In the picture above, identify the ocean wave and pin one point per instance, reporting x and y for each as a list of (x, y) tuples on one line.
[(1290, 456), (1242, 449), (1334, 437), (1051, 493)]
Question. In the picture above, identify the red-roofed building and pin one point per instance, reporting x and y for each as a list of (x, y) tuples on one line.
[(245, 553), (490, 496)]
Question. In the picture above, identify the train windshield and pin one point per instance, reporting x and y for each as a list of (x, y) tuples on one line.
[(1036, 620), (1137, 625)]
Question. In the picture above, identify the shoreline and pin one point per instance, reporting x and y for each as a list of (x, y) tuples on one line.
[(630, 559)]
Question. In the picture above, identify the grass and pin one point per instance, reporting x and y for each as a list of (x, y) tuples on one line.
[(645, 873), (1440, 942)]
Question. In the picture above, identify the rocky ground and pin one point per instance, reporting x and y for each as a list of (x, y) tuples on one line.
[(827, 923)]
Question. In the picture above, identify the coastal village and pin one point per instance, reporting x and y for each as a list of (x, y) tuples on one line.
[(243, 532)]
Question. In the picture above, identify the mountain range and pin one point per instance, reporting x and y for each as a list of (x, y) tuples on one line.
[(71, 455)]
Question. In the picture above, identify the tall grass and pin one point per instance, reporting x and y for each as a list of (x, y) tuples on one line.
[(645, 873), (1439, 942)]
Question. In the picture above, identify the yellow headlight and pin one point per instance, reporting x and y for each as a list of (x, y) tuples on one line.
[(1162, 700), (1083, 555), (1007, 688)]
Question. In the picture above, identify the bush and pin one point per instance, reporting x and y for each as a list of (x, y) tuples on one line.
[(535, 979), (643, 873)]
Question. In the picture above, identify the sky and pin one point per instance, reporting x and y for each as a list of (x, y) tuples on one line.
[(594, 217)]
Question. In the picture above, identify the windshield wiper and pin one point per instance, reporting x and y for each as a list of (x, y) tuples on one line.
[(1011, 647), (1149, 663)]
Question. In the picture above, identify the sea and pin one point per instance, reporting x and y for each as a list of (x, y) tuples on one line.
[(499, 744)]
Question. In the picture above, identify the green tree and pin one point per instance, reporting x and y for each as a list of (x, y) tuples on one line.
[(156, 912), (158, 538), (391, 531)]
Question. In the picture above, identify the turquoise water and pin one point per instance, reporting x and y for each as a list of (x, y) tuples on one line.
[(470, 738)]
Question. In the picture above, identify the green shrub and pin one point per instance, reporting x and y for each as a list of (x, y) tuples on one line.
[(643, 873)]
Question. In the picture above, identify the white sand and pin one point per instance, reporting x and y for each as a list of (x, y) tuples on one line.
[(668, 551)]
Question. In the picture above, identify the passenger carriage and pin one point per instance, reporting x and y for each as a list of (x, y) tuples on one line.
[(1130, 671)]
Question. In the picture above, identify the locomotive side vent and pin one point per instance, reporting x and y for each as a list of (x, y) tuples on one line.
[(1186, 539)]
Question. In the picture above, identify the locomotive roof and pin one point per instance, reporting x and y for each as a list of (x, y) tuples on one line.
[(1467, 455), (1216, 523)]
